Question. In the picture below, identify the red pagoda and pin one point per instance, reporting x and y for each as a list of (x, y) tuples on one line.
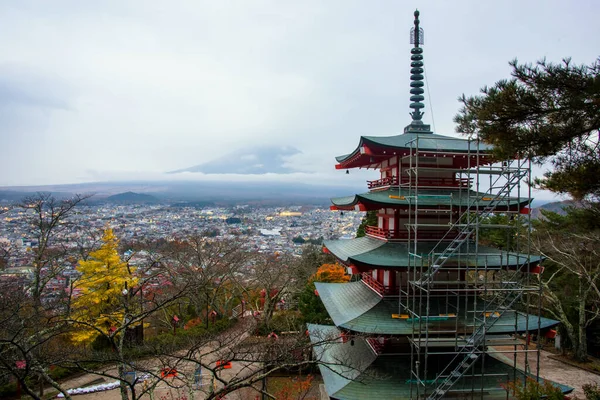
[(432, 312)]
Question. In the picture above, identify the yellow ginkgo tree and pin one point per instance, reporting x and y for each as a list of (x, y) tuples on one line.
[(101, 303)]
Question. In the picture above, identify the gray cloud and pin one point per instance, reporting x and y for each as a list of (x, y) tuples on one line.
[(256, 160), (12, 95), (26, 95), (123, 88)]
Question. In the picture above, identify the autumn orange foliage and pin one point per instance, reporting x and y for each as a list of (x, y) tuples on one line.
[(296, 388), (331, 273), (192, 323)]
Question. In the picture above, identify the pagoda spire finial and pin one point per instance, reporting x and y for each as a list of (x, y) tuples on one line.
[(417, 38)]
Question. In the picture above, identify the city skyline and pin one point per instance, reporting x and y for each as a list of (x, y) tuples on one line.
[(116, 91)]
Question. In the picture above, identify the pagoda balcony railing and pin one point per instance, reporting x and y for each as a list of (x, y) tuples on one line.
[(379, 287), (388, 181), (421, 182), (376, 345), (387, 234), (373, 283), (393, 235), (438, 182)]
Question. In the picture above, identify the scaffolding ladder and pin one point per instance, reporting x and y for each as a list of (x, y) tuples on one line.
[(508, 176)]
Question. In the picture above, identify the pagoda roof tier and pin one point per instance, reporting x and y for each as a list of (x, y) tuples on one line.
[(365, 375), (369, 253), (356, 307), (373, 149), (427, 198)]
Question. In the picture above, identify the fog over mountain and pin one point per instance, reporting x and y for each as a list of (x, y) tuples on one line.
[(249, 161), (220, 192), (107, 90)]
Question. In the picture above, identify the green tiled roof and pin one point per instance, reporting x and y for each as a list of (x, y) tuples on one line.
[(430, 141), (356, 307), (346, 301), (388, 376), (427, 141), (341, 363), (378, 253), (345, 249), (426, 198)]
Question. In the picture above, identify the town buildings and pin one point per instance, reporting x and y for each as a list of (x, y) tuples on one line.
[(267, 230)]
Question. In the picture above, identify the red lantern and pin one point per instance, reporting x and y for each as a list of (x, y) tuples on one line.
[(224, 364), (168, 372), (551, 334)]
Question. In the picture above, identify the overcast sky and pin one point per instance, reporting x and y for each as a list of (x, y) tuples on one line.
[(103, 90)]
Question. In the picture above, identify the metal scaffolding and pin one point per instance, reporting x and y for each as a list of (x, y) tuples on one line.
[(456, 292)]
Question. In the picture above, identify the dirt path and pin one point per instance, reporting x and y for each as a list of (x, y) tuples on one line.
[(551, 369), (163, 390)]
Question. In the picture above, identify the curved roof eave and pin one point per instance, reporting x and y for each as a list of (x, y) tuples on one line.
[(356, 307), (330, 350), (389, 377), (376, 253), (375, 323), (344, 157), (346, 301), (428, 142), (428, 197)]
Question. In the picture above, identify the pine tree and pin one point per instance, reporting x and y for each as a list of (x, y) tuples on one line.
[(548, 113), (370, 219), (105, 283)]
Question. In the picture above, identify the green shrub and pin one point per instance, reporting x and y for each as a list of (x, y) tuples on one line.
[(591, 391), (534, 390), (282, 321), (57, 372), (101, 343), (8, 390), (185, 336)]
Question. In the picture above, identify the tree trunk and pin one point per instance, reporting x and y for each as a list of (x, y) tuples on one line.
[(581, 349), (122, 384), (36, 289), (53, 383), (561, 315), (22, 385), (267, 312), (121, 367), (269, 309)]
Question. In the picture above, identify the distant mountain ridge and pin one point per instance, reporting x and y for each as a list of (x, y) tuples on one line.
[(132, 198), (254, 160), (558, 207), (205, 192)]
